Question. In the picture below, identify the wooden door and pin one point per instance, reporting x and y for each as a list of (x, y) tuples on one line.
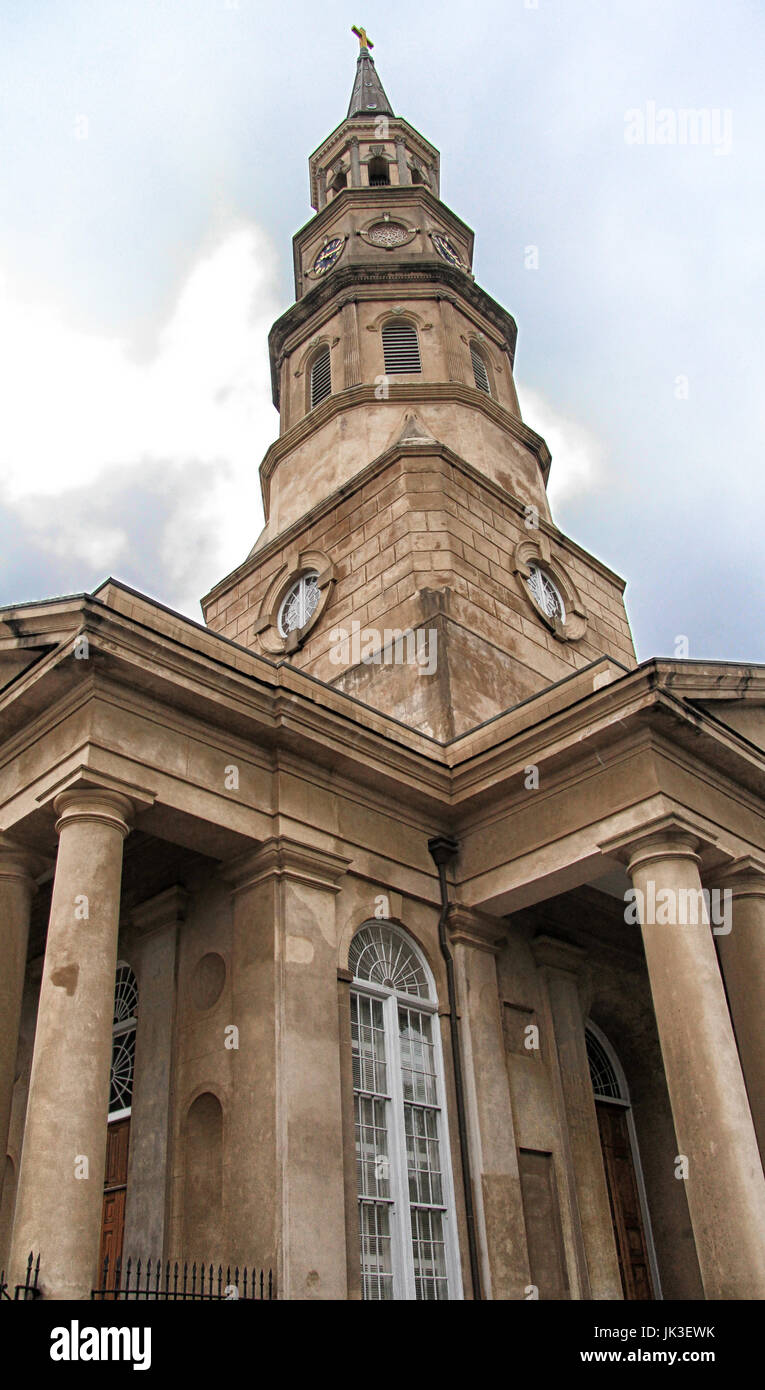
[(115, 1190), (625, 1201)]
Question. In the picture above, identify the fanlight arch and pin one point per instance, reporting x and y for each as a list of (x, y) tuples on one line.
[(123, 1040), (382, 955), (607, 1082)]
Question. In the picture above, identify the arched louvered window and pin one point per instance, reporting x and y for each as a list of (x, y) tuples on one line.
[(123, 1041), (401, 348), (379, 175), (480, 372), (406, 1201), (605, 1082), (321, 377)]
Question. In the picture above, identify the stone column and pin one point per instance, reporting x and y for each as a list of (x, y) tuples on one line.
[(17, 884), (157, 922), (713, 1122), (742, 957), (501, 1230), (60, 1189), (596, 1261)]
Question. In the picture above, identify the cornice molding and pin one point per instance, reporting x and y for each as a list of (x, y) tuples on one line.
[(421, 394), (280, 706)]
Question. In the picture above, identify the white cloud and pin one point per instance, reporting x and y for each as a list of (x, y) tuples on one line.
[(79, 410), (578, 456)]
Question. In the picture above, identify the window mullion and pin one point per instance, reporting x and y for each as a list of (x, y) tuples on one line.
[(404, 1281)]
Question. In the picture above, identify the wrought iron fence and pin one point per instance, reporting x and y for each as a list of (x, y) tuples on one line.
[(170, 1281), (29, 1289)]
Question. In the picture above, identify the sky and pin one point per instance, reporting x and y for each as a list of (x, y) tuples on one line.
[(154, 158)]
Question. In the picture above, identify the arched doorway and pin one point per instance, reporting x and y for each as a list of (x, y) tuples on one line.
[(621, 1159)]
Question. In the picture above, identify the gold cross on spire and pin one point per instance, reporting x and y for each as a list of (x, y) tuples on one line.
[(361, 35)]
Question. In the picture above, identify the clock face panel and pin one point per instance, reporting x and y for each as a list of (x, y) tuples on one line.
[(328, 255), (444, 248)]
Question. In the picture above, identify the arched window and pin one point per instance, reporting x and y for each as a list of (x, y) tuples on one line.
[(379, 174), (401, 348), (417, 175), (623, 1172), (123, 1041), (605, 1082), (406, 1202), (321, 378), (480, 370), (339, 182)]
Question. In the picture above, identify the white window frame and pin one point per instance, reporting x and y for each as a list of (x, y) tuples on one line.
[(402, 1255)]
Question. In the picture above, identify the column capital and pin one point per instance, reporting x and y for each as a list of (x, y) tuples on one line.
[(283, 858), (745, 877), (84, 793), (557, 954), (469, 927), (164, 910), (17, 862), (675, 835), (94, 805)]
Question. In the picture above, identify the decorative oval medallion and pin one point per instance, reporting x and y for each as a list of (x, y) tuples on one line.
[(388, 234)]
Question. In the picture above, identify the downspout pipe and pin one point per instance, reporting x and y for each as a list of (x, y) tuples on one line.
[(443, 849)]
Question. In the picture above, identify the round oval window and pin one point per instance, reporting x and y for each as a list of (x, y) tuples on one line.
[(299, 604), (546, 594)]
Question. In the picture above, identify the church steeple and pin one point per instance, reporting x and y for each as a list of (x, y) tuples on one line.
[(405, 492), (368, 96)]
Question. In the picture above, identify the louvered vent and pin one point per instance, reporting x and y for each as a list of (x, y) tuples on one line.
[(321, 378), (401, 348), (479, 370)]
